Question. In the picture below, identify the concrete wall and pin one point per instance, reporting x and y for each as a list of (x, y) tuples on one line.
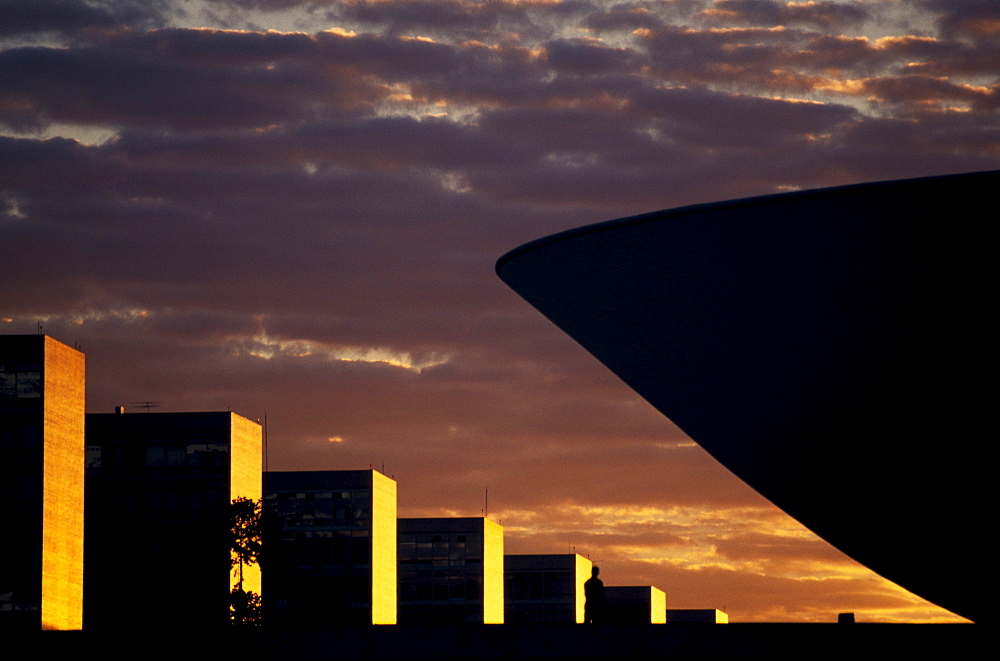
[(383, 545), (63, 390)]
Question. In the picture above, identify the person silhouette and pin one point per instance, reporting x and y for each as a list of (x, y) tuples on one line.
[(593, 592)]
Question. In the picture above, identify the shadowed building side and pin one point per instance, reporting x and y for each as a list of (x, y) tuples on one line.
[(42, 388), (451, 571), (635, 604), (545, 589), (697, 616), (159, 488), (334, 556)]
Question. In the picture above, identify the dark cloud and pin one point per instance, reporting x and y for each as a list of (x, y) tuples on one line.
[(943, 58), (919, 90), (180, 79), (624, 17), (73, 17), (757, 58), (584, 58), (467, 17), (970, 19), (825, 15)]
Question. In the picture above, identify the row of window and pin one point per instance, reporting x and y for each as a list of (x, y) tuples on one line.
[(315, 495), (335, 517), (190, 455), (441, 551), (21, 385), (445, 589), (538, 585), (193, 500), (337, 550)]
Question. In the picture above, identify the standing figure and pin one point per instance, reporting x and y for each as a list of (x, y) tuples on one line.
[(594, 604)]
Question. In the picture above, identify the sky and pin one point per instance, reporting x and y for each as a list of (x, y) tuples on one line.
[(292, 209)]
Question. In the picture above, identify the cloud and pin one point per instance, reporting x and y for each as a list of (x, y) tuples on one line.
[(624, 17), (974, 19), (75, 17), (826, 15)]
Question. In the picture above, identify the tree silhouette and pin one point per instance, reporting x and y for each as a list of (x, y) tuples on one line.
[(245, 608), (246, 542)]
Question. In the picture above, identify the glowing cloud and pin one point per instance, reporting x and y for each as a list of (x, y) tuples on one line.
[(266, 347)]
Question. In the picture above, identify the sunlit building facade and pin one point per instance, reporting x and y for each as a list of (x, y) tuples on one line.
[(157, 528), (42, 383), (334, 555), (545, 589), (635, 604), (451, 571)]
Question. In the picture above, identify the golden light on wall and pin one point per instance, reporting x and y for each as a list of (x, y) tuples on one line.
[(245, 480), (383, 549), (63, 387), (493, 603), (42, 387), (581, 575)]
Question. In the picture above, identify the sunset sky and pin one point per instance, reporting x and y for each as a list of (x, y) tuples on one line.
[(293, 209)]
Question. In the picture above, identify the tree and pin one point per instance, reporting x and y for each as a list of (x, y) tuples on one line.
[(246, 542), (245, 608)]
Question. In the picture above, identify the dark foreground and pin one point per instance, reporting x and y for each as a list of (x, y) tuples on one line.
[(670, 641)]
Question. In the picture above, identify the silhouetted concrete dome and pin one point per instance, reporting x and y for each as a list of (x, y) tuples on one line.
[(827, 346)]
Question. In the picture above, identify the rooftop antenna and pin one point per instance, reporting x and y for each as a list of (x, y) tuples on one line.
[(147, 405)]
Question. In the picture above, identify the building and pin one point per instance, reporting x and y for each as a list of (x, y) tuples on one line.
[(41, 483), (767, 310), (635, 604), (159, 487), (451, 571), (545, 589), (334, 560), (697, 616)]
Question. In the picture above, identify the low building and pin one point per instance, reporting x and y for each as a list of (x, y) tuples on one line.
[(334, 561), (545, 589), (635, 604), (41, 483), (451, 571), (159, 488), (697, 616)]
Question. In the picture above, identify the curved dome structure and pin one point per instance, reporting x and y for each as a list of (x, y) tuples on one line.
[(828, 346)]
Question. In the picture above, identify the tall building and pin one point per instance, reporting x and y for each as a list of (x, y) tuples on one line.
[(635, 604), (450, 571), (334, 554), (159, 487), (545, 589), (41, 483)]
